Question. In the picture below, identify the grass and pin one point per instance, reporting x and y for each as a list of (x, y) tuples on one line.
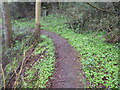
[(99, 59)]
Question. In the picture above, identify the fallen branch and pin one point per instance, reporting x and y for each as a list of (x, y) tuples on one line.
[(28, 81), (3, 76), (18, 74), (18, 71)]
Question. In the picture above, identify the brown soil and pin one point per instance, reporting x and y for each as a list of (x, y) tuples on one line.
[(68, 69)]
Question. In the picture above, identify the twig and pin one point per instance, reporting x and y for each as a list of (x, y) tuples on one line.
[(3, 76), (23, 81), (28, 81), (101, 9), (21, 68)]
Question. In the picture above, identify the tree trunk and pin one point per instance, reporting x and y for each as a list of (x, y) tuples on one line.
[(7, 24), (38, 14)]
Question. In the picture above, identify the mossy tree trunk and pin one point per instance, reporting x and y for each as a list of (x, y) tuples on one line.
[(7, 24)]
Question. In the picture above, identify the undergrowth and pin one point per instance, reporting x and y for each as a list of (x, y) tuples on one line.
[(44, 68), (41, 71), (99, 59)]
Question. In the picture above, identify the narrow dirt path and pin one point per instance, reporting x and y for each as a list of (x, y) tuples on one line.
[(68, 70)]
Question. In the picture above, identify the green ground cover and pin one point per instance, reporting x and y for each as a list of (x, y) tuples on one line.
[(99, 59), (40, 73)]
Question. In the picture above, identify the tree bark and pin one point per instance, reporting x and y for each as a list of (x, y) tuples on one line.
[(7, 24), (38, 14)]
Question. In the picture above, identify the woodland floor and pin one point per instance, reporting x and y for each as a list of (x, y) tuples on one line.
[(67, 68)]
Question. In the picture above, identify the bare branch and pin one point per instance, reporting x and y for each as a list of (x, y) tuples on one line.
[(3, 76), (101, 9)]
